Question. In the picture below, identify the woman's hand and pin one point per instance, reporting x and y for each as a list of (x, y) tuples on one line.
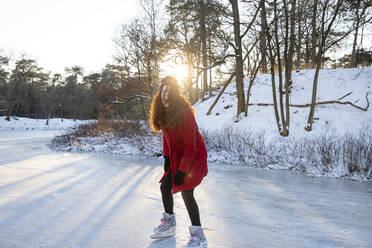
[(166, 163), (179, 177)]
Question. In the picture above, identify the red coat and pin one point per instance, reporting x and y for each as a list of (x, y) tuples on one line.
[(186, 150)]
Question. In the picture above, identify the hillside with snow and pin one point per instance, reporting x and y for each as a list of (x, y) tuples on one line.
[(340, 144), (333, 84)]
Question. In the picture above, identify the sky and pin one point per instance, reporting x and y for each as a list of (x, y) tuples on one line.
[(64, 33), (59, 34)]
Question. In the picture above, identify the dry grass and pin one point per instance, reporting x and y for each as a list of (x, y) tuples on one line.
[(327, 154)]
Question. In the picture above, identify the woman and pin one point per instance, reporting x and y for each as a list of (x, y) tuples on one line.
[(185, 158)]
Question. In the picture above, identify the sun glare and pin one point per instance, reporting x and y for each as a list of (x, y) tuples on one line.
[(177, 70), (180, 72)]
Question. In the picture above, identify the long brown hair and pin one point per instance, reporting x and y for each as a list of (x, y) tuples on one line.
[(171, 116)]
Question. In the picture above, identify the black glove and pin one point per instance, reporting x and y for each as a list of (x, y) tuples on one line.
[(179, 177), (166, 163)]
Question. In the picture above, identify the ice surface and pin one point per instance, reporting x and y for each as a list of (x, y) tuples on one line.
[(71, 200)]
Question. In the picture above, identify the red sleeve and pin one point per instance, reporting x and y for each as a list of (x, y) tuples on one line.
[(165, 147), (189, 137)]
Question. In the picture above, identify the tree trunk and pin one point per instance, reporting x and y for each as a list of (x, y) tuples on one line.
[(299, 34), (189, 76), (272, 63), (238, 59), (307, 53), (252, 78), (197, 79), (149, 75), (61, 114), (282, 116), (203, 35), (263, 46), (289, 62), (143, 109), (11, 100), (355, 52), (221, 92), (310, 119), (47, 119), (314, 34), (210, 70)]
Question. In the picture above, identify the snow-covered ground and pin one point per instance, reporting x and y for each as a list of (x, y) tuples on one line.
[(82, 200), (332, 85), (22, 124)]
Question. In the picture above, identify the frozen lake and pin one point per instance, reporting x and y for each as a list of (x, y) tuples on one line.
[(55, 199)]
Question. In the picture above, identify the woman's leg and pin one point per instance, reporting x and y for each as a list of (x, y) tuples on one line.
[(191, 206), (166, 193)]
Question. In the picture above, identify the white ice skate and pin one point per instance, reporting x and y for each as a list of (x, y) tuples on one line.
[(197, 239), (166, 228)]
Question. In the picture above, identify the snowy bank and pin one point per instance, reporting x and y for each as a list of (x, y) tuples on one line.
[(24, 124), (112, 137), (333, 84)]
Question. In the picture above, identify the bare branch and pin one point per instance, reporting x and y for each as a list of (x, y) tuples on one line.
[(344, 96), (346, 34), (130, 98), (219, 61), (251, 23), (221, 92), (320, 103)]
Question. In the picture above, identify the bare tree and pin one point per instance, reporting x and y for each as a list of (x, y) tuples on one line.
[(288, 58), (140, 45), (272, 63), (238, 58), (329, 11), (153, 9), (359, 7), (263, 44), (253, 74), (314, 33)]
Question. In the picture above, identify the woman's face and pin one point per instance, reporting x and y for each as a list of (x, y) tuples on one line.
[(164, 95)]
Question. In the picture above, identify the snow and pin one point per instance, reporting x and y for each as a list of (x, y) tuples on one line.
[(22, 124), (104, 144), (84, 200), (332, 85)]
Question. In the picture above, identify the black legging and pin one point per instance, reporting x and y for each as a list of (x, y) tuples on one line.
[(188, 198)]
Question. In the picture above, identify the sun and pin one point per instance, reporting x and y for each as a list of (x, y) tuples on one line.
[(180, 72), (177, 70)]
